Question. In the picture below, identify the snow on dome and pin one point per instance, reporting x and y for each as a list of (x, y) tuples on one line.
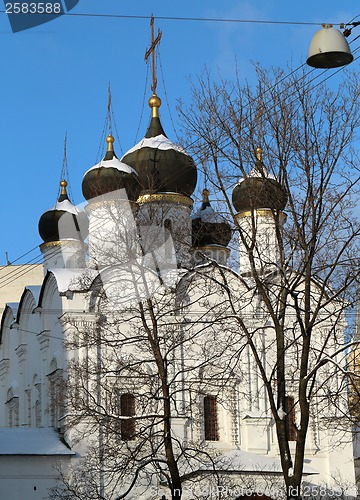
[(63, 218), (208, 214), (110, 175), (208, 226), (158, 142), (65, 206), (259, 190), (256, 172), (113, 163), (162, 166)]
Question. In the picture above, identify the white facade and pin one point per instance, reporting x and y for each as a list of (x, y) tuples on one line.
[(91, 357), (34, 361)]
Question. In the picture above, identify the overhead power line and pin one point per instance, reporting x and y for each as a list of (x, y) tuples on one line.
[(196, 19), (9, 278), (38, 258)]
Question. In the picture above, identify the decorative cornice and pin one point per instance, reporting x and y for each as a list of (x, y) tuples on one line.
[(4, 366), (180, 199), (44, 339), (21, 351)]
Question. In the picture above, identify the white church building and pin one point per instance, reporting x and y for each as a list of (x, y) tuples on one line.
[(140, 350)]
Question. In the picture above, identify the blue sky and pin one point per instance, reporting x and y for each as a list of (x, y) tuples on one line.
[(54, 79)]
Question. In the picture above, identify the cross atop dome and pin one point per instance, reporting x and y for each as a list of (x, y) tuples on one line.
[(151, 52), (164, 168)]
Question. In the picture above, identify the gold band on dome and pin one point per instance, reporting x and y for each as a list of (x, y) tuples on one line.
[(50, 244), (167, 197), (212, 248), (261, 213), (57, 243)]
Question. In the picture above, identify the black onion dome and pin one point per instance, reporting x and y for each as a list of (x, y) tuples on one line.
[(209, 227), (259, 190), (110, 175), (73, 224), (162, 166)]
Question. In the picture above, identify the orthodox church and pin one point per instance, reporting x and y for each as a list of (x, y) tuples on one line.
[(129, 366)]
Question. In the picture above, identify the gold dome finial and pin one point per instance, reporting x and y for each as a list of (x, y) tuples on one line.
[(259, 153), (205, 195), (110, 141), (154, 103), (63, 185)]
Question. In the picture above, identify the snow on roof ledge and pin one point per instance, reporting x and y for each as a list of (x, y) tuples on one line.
[(14, 306), (35, 290), (31, 441), (246, 462), (73, 279)]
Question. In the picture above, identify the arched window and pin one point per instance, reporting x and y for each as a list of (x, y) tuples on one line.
[(56, 403), (12, 404), (38, 405), (28, 407), (127, 409), (210, 418)]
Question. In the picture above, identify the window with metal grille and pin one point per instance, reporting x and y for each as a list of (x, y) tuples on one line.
[(12, 404), (56, 392), (290, 418), (168, 238), (127, 409), (28, 406), (210, 418), (38, 406)]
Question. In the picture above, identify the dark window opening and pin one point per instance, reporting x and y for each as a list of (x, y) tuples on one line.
[(127, 409), (210, 418), (168, 225), (291, 429)]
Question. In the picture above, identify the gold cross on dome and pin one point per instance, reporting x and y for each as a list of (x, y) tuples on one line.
[(109, 98), (151, 51)]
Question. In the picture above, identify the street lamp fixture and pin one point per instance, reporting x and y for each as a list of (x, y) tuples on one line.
[(329, 48)]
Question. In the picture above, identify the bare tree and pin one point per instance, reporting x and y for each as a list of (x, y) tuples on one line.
[(307, 284), (166, 360), (143, 364)]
